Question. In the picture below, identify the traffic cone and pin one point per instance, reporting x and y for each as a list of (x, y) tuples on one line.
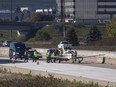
[(13, 61)]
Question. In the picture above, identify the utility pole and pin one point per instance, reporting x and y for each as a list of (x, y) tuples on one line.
[(11, 20), (63, 16)]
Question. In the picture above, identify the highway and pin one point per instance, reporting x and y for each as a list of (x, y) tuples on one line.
[(102, 72)]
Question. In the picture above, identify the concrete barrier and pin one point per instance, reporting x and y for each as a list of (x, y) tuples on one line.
[(4, 51), (109, 57)]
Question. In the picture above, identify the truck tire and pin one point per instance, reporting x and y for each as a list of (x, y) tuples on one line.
[(59, 60)]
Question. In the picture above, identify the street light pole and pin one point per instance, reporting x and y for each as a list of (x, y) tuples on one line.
[(63, 16), (11, 10), (11, 20)]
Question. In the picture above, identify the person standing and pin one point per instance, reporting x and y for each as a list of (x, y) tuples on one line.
[(35, 56), (60, 52), (52, 56), (48, 56), (26, 56), (38, 57)]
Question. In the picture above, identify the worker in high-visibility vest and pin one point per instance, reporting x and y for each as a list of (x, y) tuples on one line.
[(35, 56), (60, 52), (56, 53), (48, 56), (52, 56)]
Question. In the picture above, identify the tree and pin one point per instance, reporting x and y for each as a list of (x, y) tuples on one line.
[(93, 35), (71, 36), (37, 17), (18, 10), (25, 15), (16, 18), (43, 35), (1, 20), (111, 28)]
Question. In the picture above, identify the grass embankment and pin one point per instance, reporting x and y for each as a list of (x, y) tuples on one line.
[(27, 80)]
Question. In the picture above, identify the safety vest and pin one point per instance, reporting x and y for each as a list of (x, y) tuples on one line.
[(52, 54), (47, 53), (35, 54), (60, 53)]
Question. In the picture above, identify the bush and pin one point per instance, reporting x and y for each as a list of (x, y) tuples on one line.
[(93, 35), (43, 36), (111, 28), (71, 36)]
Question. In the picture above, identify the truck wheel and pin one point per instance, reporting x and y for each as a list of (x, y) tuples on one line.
[(59, 60)]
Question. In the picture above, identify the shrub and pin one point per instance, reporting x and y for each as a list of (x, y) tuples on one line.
[(71, 36), (93, 35)]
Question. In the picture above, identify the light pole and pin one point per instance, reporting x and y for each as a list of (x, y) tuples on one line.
[(63, 16), (11, 19), (11, 9)]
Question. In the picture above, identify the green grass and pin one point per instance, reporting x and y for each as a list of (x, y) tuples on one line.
[(6, 35), (27, 80)]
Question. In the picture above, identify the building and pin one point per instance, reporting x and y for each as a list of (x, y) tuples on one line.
[(8, 8), (106, 9), (66, 9), (91, 11)]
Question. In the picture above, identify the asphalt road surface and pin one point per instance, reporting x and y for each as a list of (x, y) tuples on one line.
[(103, 72)]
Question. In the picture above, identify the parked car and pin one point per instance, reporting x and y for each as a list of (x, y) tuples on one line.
[(31, 52), (17, 50), (6, 43)]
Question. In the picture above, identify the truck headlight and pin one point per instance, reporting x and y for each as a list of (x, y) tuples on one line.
[(13, 53)]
